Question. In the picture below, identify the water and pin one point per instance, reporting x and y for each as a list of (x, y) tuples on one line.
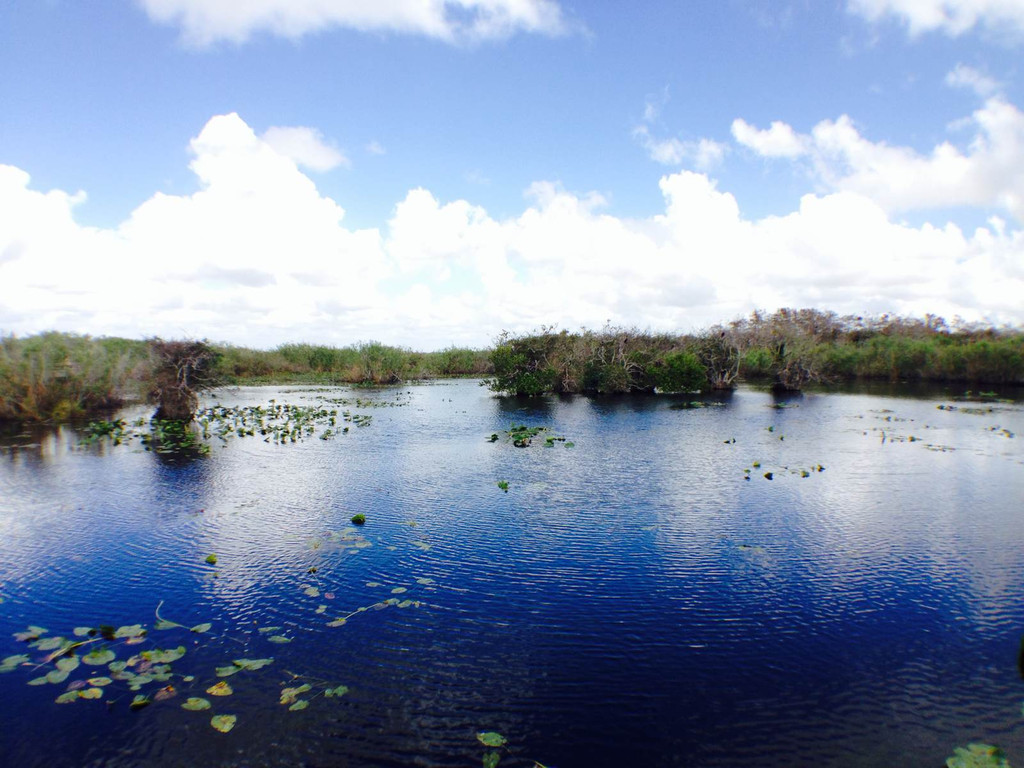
[(631, 600)]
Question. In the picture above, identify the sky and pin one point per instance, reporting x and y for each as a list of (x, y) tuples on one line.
[(429, 173)]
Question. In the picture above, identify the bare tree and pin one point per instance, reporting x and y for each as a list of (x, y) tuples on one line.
[(182, 369)]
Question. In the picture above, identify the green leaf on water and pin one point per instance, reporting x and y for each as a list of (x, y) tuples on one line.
[(341, 690), (977, 756), (48, 644), (68, 663), (223, 723), (312, 592), (90, 693), (99, 682), (57, 676), (117, 666), (67, 698), (82, 631), (211, 559), (491, 759), (252, 665), (289, 695), (140, 701), (220, 689), (194, 704), (279, 639), (398, 590), (165, 624), (264, 630), (424, 582), (227, 671), (99, 657), (298, 705), (11, 663), (160, 656), (200, 628), (38, 681), (320, 609), (130, 631), (33, 633), (491, 739), (337, 623)]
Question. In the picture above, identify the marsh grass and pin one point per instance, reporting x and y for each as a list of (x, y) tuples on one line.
[(60, 377)]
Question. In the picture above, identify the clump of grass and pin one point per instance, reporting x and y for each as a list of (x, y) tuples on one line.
[(60, 377)]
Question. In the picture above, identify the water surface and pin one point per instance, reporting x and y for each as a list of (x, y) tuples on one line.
[(633, 599)]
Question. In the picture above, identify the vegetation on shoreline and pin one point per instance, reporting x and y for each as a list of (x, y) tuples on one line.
[(60, 377), (787, 349)]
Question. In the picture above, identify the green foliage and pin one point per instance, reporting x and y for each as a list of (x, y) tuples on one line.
[(60, 376), (977, 756)]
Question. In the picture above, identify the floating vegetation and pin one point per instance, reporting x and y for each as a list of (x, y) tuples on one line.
[(503, 484), (977, 756), (687, 405), (276, 423), (358, 519), (521, 436), (773, 473), (965, 409)]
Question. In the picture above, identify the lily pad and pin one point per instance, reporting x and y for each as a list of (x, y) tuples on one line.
[(398, 590), (227, 671), (130, 631), (99, 682), (251, 665), (279, 639), (57, 676), (211, 559), (90, 693), (289, 695), (341, 690), (200, 628), (160, 656), (312, 592), (32, 633), (140, 701), (11, 663), (99, 657), (68, 663), (165, 624), (195, 704), (48, 644), (491, 759), (491, 739), (220, 689), (82, 631), (977, 756), (298, 705), (67, 698), (223, 723)]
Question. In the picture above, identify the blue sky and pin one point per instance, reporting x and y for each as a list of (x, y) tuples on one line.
[(428, 172)]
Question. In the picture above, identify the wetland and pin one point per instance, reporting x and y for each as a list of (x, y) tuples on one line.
[(438, 575)]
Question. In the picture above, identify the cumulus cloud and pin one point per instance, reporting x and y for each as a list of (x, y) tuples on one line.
[(963, 76), (257, 255), (306, 146), (703, 154), (204, 22), (985, 174), (779, 140), (953, 17)]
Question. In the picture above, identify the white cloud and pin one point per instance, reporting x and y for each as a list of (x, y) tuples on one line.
[(204, 22), (376, 148), (779, 140), (306, 146), (986, 174), (703, 154), (258, 256), (954, 17), (963, 76)]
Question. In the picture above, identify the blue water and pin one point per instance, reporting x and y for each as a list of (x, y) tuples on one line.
[(631, 600)]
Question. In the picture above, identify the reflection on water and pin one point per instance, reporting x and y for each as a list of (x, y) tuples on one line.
[(645, 597)]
